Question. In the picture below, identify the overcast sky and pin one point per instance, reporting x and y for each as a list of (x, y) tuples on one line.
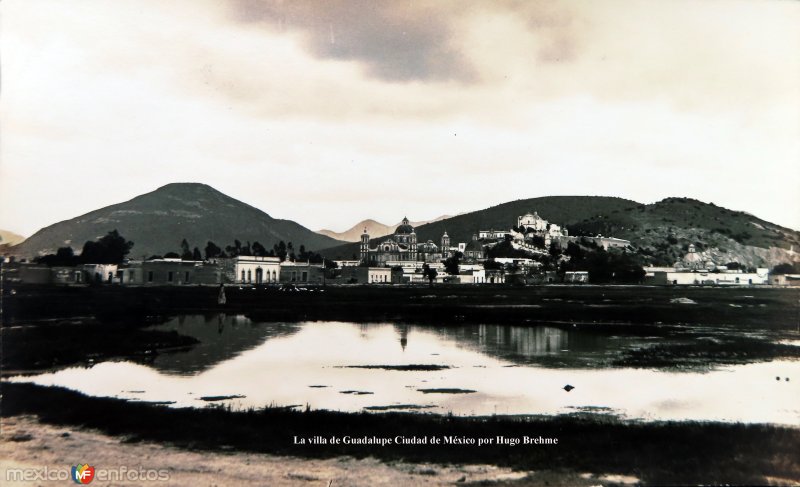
[(330, 112)]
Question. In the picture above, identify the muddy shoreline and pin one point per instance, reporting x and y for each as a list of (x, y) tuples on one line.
[(657, 453)]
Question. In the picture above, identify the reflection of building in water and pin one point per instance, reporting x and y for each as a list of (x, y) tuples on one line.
[(529, 342)]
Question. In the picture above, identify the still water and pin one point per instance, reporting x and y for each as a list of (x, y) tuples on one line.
[(466, 370)]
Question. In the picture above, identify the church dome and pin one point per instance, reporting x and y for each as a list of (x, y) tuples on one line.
[(404, 228)]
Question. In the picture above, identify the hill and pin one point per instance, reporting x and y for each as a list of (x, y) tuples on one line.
[(10, 238), (157, 222), (374, 228), (353, 234), (460, 228), (660, 231), (665, 229)]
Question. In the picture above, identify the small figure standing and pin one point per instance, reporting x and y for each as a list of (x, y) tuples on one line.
[(221, 299)]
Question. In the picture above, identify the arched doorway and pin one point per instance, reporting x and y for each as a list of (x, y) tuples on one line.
[(259, 275)]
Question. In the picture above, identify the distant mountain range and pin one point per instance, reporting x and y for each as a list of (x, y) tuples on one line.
[(158, 221), (10, 238), (661, 231), (375, 229)]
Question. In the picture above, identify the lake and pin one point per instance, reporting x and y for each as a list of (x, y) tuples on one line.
[(458, 369)]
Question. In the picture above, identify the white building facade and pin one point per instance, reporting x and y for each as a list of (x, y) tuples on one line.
[(256, 270)]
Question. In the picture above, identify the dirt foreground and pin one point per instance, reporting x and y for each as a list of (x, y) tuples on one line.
[(26, 443)]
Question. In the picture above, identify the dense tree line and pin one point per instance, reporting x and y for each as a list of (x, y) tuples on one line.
[(603, 266), (284, 251), (786, 268), (112, 248)]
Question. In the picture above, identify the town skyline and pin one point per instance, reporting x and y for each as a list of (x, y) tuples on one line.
[(330, 229), (330, 114)]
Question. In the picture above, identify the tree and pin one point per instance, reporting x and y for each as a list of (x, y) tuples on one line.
[(574, 251), (186, 254), (429, 273), (280, 250), (786, 268), (196, 255), (451, 264), (505, 249), (604, 266), (109, 249), (64, 256), (245, 250), (172, 255), (212, 251), (554, 250), (234, 250), (259, 250)]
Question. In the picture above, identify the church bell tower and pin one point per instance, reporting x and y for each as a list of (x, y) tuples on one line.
[(365, 246), (445, 245)]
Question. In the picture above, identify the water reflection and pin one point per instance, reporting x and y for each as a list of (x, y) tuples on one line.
[(434, 368), (545, 345), (221, 337)]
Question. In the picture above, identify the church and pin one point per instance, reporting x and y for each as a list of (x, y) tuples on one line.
[(402, 247)]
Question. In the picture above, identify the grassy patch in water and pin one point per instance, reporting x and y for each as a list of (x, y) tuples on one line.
[(398, 407), (446, 390), (221, 398), (40, 347), (405, 368), (730, 350)]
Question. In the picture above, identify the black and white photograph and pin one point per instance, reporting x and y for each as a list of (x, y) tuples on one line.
[(400, 242)]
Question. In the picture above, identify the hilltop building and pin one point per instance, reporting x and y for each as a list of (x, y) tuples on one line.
[(530, 227), (532, 222)]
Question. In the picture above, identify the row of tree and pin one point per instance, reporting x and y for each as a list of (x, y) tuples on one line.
[(282, 250), (112, 248)]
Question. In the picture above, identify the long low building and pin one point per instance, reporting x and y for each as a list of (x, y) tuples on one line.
[(246, 270), (367, 275), (704, 277)]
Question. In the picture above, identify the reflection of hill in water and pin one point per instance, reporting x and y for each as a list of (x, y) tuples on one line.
[(221, 336), (542, 345)]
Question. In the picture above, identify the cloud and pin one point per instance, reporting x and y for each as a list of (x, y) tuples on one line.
[(397, 41), (460, 104)]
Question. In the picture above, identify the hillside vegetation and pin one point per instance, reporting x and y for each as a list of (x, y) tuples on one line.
[(158, 221), (665, 229), (660, 231)]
